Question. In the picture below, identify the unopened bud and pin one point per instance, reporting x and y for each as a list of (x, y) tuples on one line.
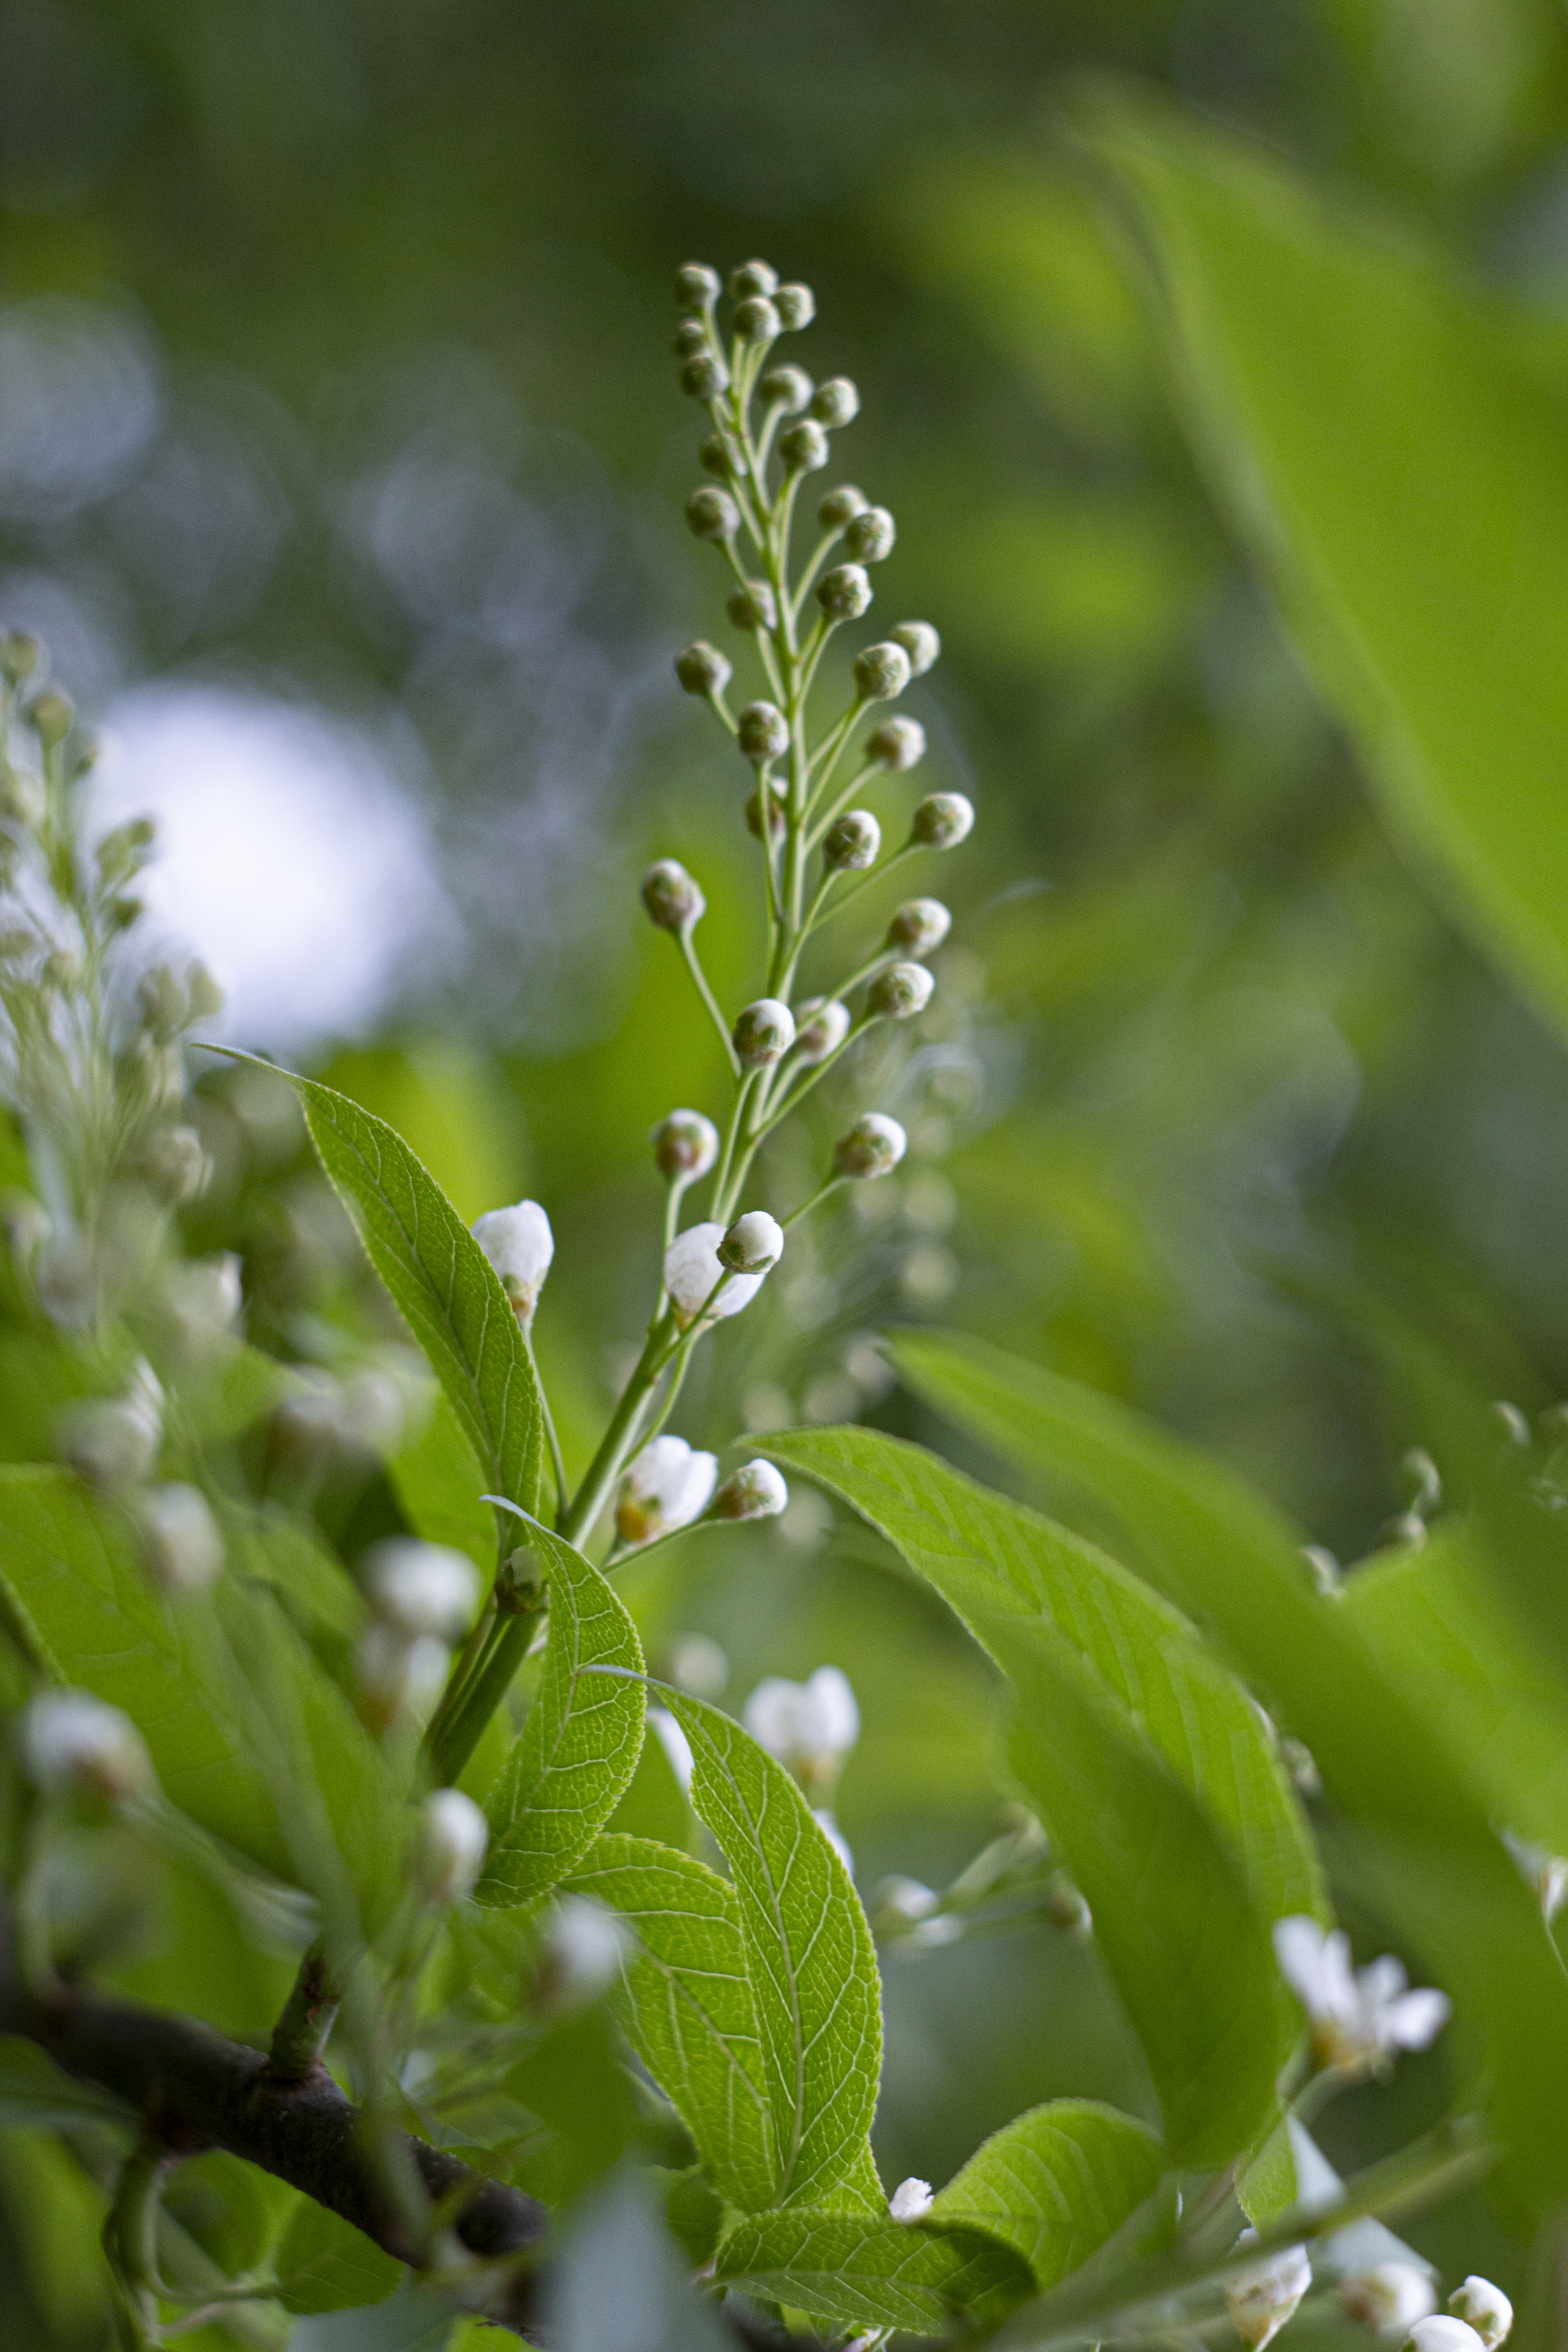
[(111, 1443), (205, 1297), (796, 306), (180, 1538), (704, 376), (1485, 2308), (921, 642), (20, 656), (896, 746), (753, 606), (712, 515), (420, 1588), (841, 506), (750, 279), (756, 320), (520, 1245), (873, 1147), (395, 1674), (787, 389), (844, 592), (1263, 2298), (881, 672), (823, 1025), (696, 286), (803, 448), (902, 990), (836, 401), (75, 1746), (685, 1145), (673, 899), (871, 535), (450, 1852), (764, 1033), (175, 1164), (919, 925), (762, 731), (1390, 2297), (755, 1491), (52, 717), (1439, 2334), (851, 842), (911, 2201), (123, 852), (691, 1276), (204, 997), (166, 1007), (754, 1244), (668, 1486), (942, 821), (776, 818), (702, 669), (689, 338), (21, 798), (584, 1949), (716, 456)]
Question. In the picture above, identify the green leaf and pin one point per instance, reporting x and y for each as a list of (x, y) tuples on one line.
[(439, 1486), (579, 1748), (1145, 1760), (1055, 2184), (326, 2264), (809, 1956), (276, 1550), (34, 2091), (442, 1282), (687, 2006), (861, 2269)]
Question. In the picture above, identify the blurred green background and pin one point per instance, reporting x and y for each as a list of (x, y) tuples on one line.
[(341, 463)]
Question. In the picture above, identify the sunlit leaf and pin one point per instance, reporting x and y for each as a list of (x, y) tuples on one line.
[(861, 2269), (1055, 2183)]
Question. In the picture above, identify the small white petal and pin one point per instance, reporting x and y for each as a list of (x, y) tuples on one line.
[(1444, 2334), (1414, 2019), (1298, 1948), (667, 1486), (834, 1718), (775, 1715), (911, 2201)]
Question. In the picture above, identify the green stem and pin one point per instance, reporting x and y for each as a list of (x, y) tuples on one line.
[(301, 2032), (694, 966)]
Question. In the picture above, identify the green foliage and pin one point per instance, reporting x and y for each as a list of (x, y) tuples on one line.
[(860, 2270), (326, 2264), (34, 2092), (438, 1484), (1055, 2184)]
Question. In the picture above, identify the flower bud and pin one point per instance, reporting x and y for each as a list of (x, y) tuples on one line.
[(755, 1491), (205, 1297), (784, 388), (520, 1245), (685, 1145), (584, 1951), (836, 401), (1390, 2297), (756, 320), (762, 731), (180, 1539), (204, 997), (111, 1443), (420, 1588), (942, 821), (845, 593), (51, 718), (919, 925), (841, 506), (750, 279), (74, 1745), (20, 656), (450, 1850), (911, 2201), (803, 448), (851, 842), (696, 286), (666, 1487), (689, 338), (902, 990), (396, 1675), (712, 515), (702, 669), (704, 376), (796, 306), (753, 607), (21, 798), (764, 1033), (871, 535), (1439, 2334), (1485, 2308), (123, 852), (921, 642), (896, 746), (824, 1024), (715, 456), (674, 901), (175, 1165), (873, 1147), (754, 1244), (775, 811), (692, 1272), (881, 672), (1263, 2298), (166, 1006)]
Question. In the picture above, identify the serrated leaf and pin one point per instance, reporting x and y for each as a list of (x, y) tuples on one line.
[(1055, 2184), (580, 1745), (34, 2092), (440, 1487), (863, 2270), (686, 2005), (324, 2264), (809, 1956)]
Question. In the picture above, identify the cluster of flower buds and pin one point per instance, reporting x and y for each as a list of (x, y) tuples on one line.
[(711, 1271), (668, 1486), (1480, 2318), (520, 1245), (423, 1596)]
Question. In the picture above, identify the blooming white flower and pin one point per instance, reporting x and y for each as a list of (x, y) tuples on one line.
[(810, 1726), (520, 1245), (692, 1271), (754, 1244), (1443, 2334), (667, 1486), (911, 2201), (1390, 2297), (453, 1836), (75, 1746), (1263, 2298), (422, 1588), (1485, 2308), (1357, 2018), (180, 1538)]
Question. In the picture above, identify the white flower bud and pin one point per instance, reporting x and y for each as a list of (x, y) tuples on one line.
[(775, 804), (796, 306), (372, 1412), (803, 448), (873, 1146), (204, 1298), (74, 1745), (673, 899), (111, 1441), (754, 1244), (1443, 2334), (810, 1726), (841, 506), (702, 669), (666, 1487), (897, 746), (712, 514), (704, 376), (764, 1033), (920, 925), (851, 842), (696, 286), (1390, 2297), (942, 821), (1262, 2299), (180, 1538), (175, 1165), (749, 279), (520, 1245), (450, 1850), (1485, 2308), (787, 389), (716, 455), (685, 1144), (755, 1491), (902, 990), (422, 1588), (911, 2201), (922, 643), (584, 1951), (870, 537), (824, 1024), (692, 1271), (836, 401), (756, 320), (689, 338), (845, 593), (51, 718), (753, 607), (762, 731), (394, 1676), (881, 672)]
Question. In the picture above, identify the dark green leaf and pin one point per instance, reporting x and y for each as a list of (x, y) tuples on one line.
[(326, 2264), (863, 2270), (1055, 2184)]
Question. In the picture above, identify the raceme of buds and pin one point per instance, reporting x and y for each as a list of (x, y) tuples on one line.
[(871, 535), (785, 388), (422, 1588), (1263, 2298), (943, 819), (852, 842), (712, 515), (749, 279), (692, 1272), (754, 1244), (796, 306), (881, 672), (762, 731), (911, 2201), (673, 899), (845, 593), (1390, 2297), (803, 448), (1485, 2308), (836, 401), (756, 319), (753, 606), (74, 1745), (841, 506), (824, 1026), (764, 1033), (897, 745), (810, 1726), (919, 925), (902, 990), (702, 669), (922, 643), (450, 1848), (667, 1486), (755, 1491), (180, 1539), (775, 797), (1358, 2018), (696, 286), (520, 1245), (873, 1146), (685, 1145), (1439, 2334), (704, 376)]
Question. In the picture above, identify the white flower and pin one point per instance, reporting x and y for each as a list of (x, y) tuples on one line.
[(692, 1272), (396, 1672), (1485, 2308), (810, 1726), (666, 1487), (1390, 2297), (75, 1746), (754, 1244), (1441, 2335), (520, 1245), (180, 1538), (422, 1588), (204, 1298), (1263, 2298), (584, 1949), (907, 1898), (911, 2201), (453, 1836), (1356, 2018), (755, 1491)]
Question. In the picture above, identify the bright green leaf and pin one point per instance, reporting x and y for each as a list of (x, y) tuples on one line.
[(326, 2264), (438, 1483), (1055, 2184), (860, 2270)]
